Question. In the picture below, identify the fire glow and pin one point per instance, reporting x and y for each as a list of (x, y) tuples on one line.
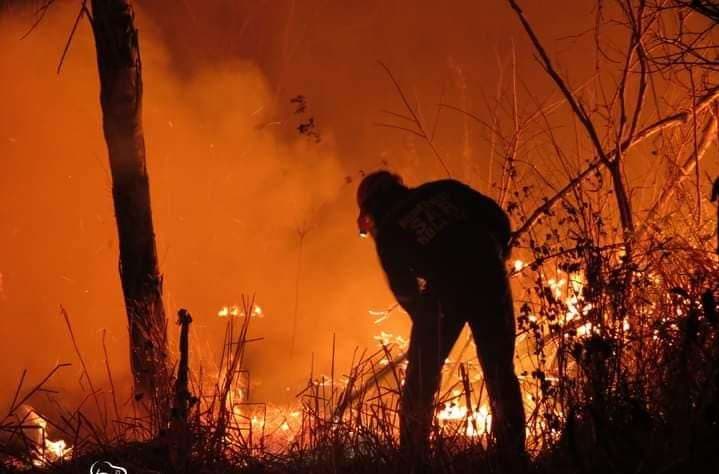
[(34, 429), (279, 425)]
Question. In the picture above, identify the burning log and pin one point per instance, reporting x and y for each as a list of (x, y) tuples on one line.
[(119, 66)]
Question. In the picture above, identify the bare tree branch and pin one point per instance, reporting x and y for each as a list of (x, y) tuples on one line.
[(670, 188), (623, 200), (421, 131), (647, 132)]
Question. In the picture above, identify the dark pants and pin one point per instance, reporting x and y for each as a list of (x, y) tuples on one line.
[(490, 314)]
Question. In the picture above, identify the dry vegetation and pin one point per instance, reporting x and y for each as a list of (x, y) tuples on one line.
[(616, 267)]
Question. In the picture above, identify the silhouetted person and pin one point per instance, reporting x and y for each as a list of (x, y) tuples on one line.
[(443, 248)]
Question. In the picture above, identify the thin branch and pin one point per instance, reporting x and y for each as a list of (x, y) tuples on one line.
[(398, 127), (643, 77), (477, 119), (301, 234), (415, 118), (17, 391), (400, 116), (82, 362), (436, 115), (623, 199), (568, 94), (696, 149), (41, 12), (66, 49), (109, 376), (38, 386), (647, 132), (691, 163)]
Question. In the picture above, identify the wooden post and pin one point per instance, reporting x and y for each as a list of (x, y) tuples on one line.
[(180, 442)]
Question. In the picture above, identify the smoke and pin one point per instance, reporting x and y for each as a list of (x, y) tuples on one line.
[(230, 201), (243, 203)]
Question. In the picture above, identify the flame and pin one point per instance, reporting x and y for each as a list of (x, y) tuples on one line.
[(45, 450), (235, 310), (382, 314), (275, 426), (380, 319), (477, 423), (56, 450), (385, 338), (585, 329)]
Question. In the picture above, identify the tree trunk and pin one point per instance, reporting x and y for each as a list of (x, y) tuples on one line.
[(118, 60)]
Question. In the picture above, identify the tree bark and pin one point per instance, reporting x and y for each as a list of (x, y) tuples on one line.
[(119, 66)]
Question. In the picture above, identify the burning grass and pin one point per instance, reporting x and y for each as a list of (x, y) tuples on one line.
[(619, 364), (618, 343)]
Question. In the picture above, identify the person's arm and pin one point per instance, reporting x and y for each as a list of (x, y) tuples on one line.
[(401, 276)]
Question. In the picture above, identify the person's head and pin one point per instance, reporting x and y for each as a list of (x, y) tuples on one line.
[(375, 194)]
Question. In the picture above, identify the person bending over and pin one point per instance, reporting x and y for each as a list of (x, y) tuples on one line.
[(443, 248)]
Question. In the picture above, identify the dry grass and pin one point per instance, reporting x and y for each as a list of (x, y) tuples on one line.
[(639, 392)]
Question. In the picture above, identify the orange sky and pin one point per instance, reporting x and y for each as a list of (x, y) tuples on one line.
[(232, 180)]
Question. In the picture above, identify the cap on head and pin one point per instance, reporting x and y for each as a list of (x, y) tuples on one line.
[(376, 184), (369, 193)]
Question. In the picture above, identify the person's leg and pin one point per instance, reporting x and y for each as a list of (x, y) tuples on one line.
[(493, 328), (431, 341)]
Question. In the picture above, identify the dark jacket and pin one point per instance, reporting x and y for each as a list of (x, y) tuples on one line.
[(443, 234)]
